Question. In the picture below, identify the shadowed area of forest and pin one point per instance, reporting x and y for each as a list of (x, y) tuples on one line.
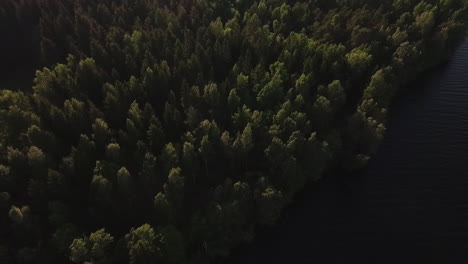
[(166, 131)]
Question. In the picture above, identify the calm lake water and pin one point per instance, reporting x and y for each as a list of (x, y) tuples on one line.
[(411, 203)]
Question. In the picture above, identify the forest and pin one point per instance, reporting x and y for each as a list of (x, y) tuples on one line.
[(167, 131)]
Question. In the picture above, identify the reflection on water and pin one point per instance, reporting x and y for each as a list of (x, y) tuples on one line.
[(411, 205)]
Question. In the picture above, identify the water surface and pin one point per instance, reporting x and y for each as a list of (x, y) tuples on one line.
[(411, 203)]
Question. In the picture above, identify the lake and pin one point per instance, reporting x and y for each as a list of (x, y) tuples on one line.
[(409, 206)]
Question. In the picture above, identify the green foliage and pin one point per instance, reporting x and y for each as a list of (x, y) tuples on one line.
[(95, 248), (16, 215), (244, 142), (359, 60), (169, 157), (270, 94), (233, 101), (43, 139), (381, 87), (425, 22), (36, 157), (101, 132), (271, 202), (202, 118), (113, 152), (124, 180), (100, 243), (141, 244), (101, 189)]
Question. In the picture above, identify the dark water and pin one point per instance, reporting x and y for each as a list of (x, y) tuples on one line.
[(409, 206)]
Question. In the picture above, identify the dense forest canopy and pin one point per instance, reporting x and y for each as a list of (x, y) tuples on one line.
[(165, 131)]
